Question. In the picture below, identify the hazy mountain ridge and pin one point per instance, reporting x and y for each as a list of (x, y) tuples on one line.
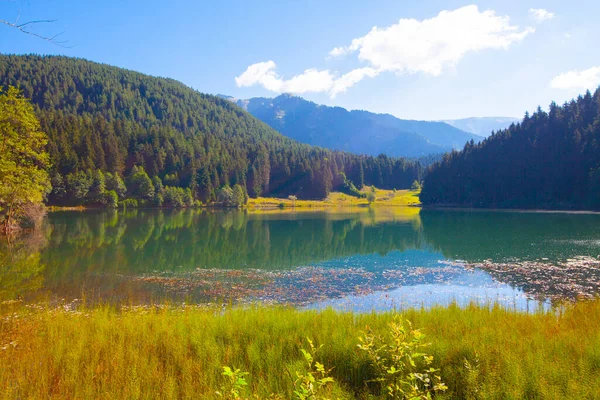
[(356, 131), (482, 126)]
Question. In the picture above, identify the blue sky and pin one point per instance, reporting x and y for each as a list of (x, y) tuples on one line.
[(425, 60)]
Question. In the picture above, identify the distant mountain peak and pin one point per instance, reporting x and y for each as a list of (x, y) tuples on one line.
[(356, 131)]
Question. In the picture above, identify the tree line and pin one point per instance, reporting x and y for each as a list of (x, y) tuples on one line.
[(548, 160), (115, 134)]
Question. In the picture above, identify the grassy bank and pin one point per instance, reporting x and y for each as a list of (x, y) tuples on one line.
[(337, 199), (179, 353)]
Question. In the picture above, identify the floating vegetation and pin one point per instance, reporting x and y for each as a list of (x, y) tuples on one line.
[(300, 286), (540, 280), (572, 279)]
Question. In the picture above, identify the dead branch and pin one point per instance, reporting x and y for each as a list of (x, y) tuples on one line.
[(25, 28)]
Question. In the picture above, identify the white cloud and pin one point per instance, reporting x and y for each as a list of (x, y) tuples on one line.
[(346, 81), (577, 80), (263, 73), (540, 14), (311, 80), (429, 46), (432, 45)]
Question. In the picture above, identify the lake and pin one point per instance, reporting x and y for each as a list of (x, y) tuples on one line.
[(359, 259)]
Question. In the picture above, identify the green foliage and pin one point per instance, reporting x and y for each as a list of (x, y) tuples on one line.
[(349, 188), (310, 383), (78, 186), (371, 197), (104, 118), (177, 197), (239, 196), (473, 388), (235, 384), (129, 203), (225, 195), (115, 183), (111, 199), (415, 186), (98, 188), (401, 364), (140, 185), (23, 158), (549, 160)]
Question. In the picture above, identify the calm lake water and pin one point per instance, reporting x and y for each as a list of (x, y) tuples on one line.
[(359, 259)]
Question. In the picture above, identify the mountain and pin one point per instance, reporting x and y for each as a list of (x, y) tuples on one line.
[(354, 131), (482, 126), (103, 118), (550, 160)]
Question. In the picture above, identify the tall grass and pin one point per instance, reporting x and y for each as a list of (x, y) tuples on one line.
[(180, 352)]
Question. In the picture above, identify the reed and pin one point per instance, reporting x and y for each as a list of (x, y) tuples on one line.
[(179, 352)]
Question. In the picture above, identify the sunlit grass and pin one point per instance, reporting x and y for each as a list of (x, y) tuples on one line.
[(337, 199), (179, 352)]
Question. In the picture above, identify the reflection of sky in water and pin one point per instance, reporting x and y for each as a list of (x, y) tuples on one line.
[(391, 260), (424, 279)]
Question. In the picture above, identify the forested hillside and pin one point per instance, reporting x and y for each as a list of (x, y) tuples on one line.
[(548, 160), (138, 135), (354, 131)]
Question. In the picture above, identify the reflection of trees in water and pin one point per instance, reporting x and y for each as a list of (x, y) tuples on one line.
[(90, 253), (475, 236), (534, 252), (21, 268), (94, 251), (145, 241)]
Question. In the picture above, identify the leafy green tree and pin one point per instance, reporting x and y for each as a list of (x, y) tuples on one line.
[(176, 197), (158, 191), (97, 191), (111, 199), (23, 159), (415, 186), (115, 183), (140, 185), (239, 197), (59, 188), (225, 195), (371, 197), (78, 186)]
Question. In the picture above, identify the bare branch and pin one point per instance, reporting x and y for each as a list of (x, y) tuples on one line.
[(25, 27)]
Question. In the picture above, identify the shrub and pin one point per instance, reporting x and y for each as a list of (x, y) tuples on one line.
[(235, 384), (310, 384), (371, 197), (111, 199), (129, 203), (401, 365)]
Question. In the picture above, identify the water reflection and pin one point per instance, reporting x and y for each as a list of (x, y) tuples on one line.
[(363, 258)]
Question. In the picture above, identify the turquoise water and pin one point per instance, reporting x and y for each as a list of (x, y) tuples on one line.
[(358, 259)]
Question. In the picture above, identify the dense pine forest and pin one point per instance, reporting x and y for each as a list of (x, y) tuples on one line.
[(116, 134), (548, 160)]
